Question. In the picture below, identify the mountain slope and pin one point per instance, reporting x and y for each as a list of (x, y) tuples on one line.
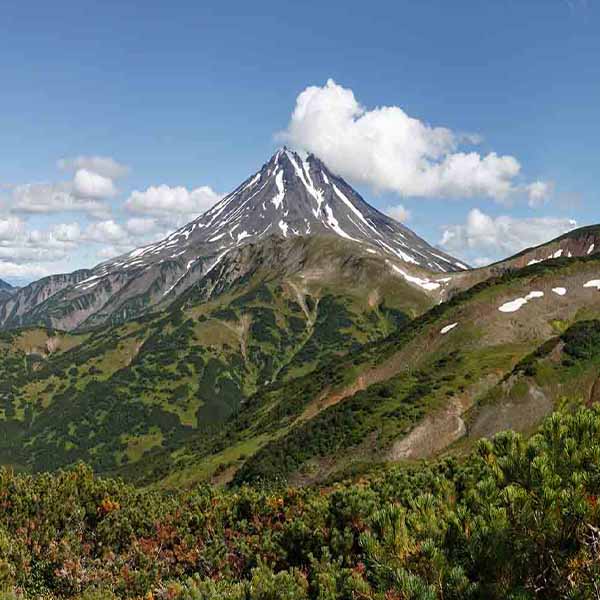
[(107, 396), (418, 392), (6, 290), (285, 376), (296, 355), (583, 241), (577, 243), (289, 197)]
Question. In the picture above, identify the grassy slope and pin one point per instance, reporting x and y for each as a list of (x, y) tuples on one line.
[(289, 377), (566, 368), (390, 386), (119, 397)]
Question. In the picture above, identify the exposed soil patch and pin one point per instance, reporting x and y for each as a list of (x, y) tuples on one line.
[(433, 434), (519, 414), (594, 397), (224, 477), (441, 428), (327, 399)]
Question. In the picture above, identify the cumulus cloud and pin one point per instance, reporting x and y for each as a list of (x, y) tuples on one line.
[(538, 192), (102, 165), (481, 261), (19, 246), (40, 198), (173, 205), (31, 252), (107, 252), (10, 269), (27, 251), (500, 236), (87, 184), (117, 238), (106, 231), (389, 150), (141, 225), (67, 232), (11, 228), (398, 212), (93, 182)]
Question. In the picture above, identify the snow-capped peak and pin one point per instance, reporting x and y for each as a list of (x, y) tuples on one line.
[(292, 195), (289, 196)]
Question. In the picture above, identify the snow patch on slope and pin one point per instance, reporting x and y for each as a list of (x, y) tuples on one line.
[(334, 224), (278, 198), (515, 305), (426, 284), (445, 330)]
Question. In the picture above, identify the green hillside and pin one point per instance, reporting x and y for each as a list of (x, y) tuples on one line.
[(283, 377), (115, 395), (353, 408), (420, 391)]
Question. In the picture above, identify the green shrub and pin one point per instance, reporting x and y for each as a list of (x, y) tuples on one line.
[(517, 518)]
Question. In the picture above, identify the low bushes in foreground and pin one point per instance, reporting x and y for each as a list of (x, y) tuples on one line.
[(519, 518)]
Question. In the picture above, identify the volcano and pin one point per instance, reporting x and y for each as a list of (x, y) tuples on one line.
[(289, 197)]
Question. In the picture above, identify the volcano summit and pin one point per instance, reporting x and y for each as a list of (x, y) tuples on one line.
[(288, 197)]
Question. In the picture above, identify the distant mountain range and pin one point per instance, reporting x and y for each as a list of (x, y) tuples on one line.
[(6, 290), (289, 197)]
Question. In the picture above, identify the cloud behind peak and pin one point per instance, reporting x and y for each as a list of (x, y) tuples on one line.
[(389, 150)]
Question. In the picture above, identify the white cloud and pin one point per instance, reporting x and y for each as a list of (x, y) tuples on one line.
[(36, 249), (27, 271), (106, 231), (87, 184), (11, 228), (21, 246), (67, 232), (161, 209), (173, 205), (107, 252), (538, 192), (500, 236), (102, 165), (40, 198), (398, 212), (389, 150), (118, 238), (92, 183), (481, 261), (28, 253), (141, 225)]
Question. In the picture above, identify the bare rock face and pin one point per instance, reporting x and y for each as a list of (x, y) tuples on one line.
[(290, 197), (6, 290)]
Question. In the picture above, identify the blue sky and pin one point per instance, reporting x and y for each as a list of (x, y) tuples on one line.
[(187, 99)]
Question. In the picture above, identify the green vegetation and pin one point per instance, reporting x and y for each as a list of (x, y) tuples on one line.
[(145, 391), (518, 518), (582, 341), (281, 382), (386, 410), (279, 377)]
